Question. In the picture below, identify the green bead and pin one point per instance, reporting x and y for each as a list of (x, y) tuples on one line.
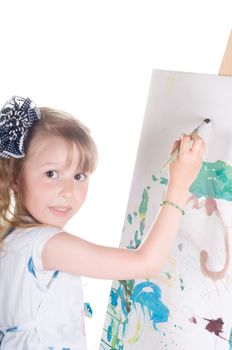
[(174, 205)]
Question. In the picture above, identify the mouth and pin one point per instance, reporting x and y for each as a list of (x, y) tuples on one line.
[(60, 211)]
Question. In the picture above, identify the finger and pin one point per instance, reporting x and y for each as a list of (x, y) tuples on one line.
[(175, 146), (186, 143), (198, 143)]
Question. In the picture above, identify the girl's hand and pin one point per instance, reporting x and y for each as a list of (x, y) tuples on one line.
[(184, 170)]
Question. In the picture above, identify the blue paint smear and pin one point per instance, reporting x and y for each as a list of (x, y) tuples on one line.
[(114, 298), (88, 310), (1, 337), (30, 266), (150, 301), (12, 329), (146, 294), (109, 331)]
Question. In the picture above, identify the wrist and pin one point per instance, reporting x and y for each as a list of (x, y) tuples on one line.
[(176, 194), (173, 205)]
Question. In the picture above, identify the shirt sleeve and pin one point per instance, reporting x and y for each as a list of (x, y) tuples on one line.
[(41, 237)]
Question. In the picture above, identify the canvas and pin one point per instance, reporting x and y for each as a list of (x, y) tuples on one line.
[(189, 304)]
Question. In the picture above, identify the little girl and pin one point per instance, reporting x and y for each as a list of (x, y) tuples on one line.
[(46, 158)]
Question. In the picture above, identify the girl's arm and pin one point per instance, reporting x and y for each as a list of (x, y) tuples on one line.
[(74, 255)]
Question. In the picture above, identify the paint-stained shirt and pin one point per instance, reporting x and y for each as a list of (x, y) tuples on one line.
[(39, 310)]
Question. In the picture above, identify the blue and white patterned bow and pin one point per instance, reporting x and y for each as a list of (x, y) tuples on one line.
[(16, 118)]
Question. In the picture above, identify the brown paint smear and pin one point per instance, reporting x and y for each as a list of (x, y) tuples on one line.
[(215, 326), (211, 207)]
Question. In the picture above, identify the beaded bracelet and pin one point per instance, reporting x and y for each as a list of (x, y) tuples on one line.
[(174, 205)]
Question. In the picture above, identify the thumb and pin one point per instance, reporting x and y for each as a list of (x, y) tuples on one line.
[(175, 145)]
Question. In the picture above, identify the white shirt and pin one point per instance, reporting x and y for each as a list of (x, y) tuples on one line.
[(38, 309)]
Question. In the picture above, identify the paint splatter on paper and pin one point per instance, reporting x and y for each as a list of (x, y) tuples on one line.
[(129, 296), (188, 304)]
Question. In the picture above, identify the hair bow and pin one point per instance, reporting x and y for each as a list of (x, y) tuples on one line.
[(16, 118)]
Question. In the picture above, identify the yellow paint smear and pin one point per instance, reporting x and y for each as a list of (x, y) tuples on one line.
[(135, 338)]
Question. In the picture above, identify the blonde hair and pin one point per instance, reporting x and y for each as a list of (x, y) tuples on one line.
[(54, 123)]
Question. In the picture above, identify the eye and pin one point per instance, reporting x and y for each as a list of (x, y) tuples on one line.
[(80, 177), (52, 174)]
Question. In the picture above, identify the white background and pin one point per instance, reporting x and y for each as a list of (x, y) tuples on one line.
[(94, 59)]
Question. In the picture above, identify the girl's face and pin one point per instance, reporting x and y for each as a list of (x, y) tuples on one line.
[(55, 188)]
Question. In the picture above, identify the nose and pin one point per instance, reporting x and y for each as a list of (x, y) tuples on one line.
[(66, 187)]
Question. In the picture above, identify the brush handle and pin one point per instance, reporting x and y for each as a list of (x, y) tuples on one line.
[(172, 157)]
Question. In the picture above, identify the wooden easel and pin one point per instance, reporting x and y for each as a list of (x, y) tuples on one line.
[(226, 66)]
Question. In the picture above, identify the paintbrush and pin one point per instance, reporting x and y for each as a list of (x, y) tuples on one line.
[(174, 155)]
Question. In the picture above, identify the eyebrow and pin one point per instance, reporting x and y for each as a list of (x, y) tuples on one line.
[(54, 164), (48, 163)]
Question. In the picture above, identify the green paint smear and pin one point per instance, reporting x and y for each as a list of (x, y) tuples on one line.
[(142, 227), (214, 181), (115, 330), (163, 181), (129, 218), (143, 204), (137, 240), (230, 340), (154, 178)]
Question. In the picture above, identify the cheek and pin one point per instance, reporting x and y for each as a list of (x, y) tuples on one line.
[(35, 191), (85, 194), (82, 193), (31, 197), (86, 189)]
